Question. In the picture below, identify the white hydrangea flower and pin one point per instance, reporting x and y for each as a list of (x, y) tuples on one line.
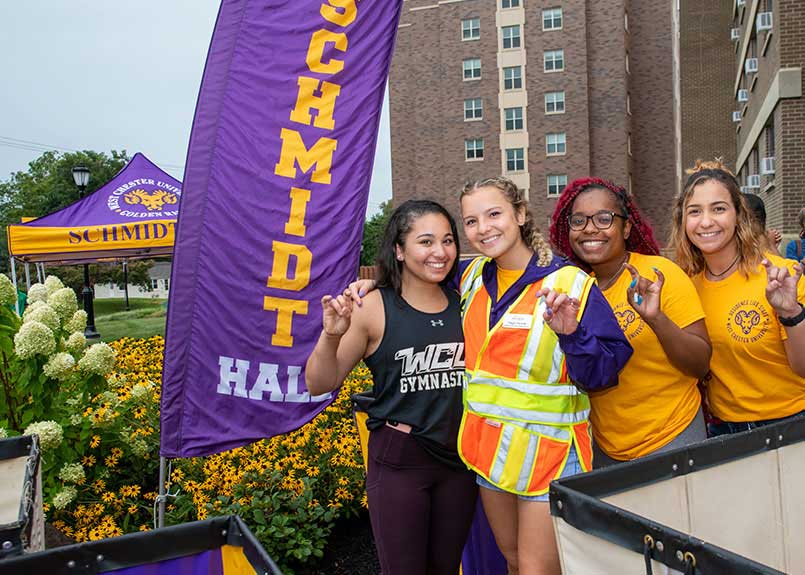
[(31, 306), (98, 358), (3, 433), (34, 338), (72, 473), (141, 391), (77, 323), (64, 497), (50, 433), (37, 292), (75, 342), (45, 314), (64, 302), (53, 284), (59, 366), (8, 295), (75, 419)]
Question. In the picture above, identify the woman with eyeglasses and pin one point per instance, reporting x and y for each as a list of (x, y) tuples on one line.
[(657, 405)]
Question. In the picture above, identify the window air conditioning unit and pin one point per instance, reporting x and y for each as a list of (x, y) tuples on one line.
[(767, 166), (743, 95), (746, 190), (735, 34), (750, 66), (763, 21), (740, 3), (736, 116), (753, 181)]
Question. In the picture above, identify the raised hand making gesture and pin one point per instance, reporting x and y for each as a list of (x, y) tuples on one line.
[(644, 295), (561, 312), (781, 289)]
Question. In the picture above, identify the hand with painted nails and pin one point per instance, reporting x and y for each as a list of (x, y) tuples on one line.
[(359, 288), (644, 295), (337, 313), (561, 311), (781, 289)]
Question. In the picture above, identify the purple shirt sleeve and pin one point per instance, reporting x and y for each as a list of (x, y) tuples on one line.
[(597, 350)]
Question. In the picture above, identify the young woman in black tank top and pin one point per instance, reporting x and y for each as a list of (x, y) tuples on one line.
[(421, 496)]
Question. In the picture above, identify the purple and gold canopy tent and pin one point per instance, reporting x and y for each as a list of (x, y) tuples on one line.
[(131, 216)]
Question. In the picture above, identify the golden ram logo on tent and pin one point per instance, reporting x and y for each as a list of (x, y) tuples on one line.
[(155, 200)]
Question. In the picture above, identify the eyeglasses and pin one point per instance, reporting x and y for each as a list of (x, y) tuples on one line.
[(601, 220)]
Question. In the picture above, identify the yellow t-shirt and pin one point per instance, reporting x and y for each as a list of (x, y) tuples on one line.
[(653, 401), (506, 279), (750, 378)]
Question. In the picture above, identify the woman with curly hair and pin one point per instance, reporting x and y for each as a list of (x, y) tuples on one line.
[(752, 300), (656, 405)]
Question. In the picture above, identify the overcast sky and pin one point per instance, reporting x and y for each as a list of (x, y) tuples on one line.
[(103, 75)]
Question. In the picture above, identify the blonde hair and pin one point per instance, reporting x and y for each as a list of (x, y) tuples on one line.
[(748, 236), (516, 197)]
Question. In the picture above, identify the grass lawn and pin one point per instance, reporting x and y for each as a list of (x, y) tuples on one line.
[(145, 318)]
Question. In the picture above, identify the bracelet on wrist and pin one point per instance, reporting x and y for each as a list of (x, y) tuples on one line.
[(794, 320)]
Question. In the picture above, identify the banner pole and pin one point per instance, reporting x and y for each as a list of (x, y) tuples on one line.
[(27, 276), (161, 497)]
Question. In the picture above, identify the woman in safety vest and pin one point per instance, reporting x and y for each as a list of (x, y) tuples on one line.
[(537, 332), (752, 300), (656, 405), (421, 496)]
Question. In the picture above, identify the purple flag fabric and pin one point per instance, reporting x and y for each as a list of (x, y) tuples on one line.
[(275, 192)]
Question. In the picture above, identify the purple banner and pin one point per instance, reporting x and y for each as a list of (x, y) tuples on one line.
[(275, 192)]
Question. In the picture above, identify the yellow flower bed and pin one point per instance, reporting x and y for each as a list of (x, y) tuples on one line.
[(314, 473)]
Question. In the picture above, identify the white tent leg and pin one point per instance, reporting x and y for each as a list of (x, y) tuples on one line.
[(14, 281), (27, 276)]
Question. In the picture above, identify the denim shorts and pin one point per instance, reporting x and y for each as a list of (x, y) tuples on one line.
[(572, 467), (727, 427)]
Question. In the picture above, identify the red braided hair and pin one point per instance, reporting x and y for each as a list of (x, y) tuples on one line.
[(641, 240)]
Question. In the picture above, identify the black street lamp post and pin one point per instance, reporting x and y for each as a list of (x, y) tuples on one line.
[(81, 179)]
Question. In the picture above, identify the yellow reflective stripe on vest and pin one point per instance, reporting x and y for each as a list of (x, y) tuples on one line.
[(471, 282), (528, 415), (527, 386)]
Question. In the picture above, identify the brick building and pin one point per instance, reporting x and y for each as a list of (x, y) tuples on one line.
[(545, 91), (768, 108)]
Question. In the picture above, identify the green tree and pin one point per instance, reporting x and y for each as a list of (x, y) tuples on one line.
[(373, 234), (73, 276), (47, 186)]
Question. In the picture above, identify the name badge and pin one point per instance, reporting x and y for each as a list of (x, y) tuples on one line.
[(517, 320)]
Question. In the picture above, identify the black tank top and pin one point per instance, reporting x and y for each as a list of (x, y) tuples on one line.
[(418, 372)]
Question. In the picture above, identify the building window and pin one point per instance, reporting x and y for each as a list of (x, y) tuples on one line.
[(511, 37), (167, 284), (515, 160), (626, 21), (473, 109), (628, 103), (154, 284), (509, 3), (474, 149), (627, 62), (555, 103), (554, 60), (512, 78), (556, 184), (552, 19), (514, 118), (770, 143), (629, 143), (471, 29), (472, 69), (555, 144)]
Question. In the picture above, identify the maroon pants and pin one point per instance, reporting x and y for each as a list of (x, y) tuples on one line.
[(420, 508)]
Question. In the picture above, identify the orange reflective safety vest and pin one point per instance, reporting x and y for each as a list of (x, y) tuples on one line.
[(522, 414)]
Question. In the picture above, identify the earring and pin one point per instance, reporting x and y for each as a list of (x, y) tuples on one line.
[(400, 258)]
